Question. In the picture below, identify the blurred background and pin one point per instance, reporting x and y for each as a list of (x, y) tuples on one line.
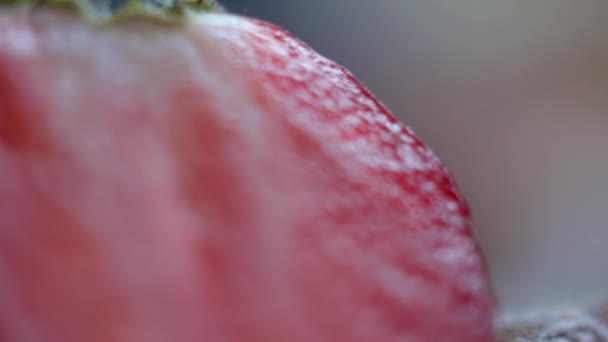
[(513, 96)]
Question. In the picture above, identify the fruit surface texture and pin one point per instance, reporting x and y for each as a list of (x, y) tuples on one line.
[(217, 180)]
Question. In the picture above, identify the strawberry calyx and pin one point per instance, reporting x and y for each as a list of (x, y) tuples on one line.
[(104, 11)]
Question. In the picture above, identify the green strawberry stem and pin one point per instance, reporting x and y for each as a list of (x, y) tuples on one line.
[(101, 11)]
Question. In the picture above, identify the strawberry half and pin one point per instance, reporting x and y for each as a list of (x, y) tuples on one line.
[(215, 179)]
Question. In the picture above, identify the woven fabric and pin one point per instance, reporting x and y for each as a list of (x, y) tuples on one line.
[(563, 326)]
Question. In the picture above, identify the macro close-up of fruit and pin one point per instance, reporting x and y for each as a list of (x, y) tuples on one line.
[(174, 172)]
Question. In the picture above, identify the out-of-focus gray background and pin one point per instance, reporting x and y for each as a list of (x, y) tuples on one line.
[(513, 96)]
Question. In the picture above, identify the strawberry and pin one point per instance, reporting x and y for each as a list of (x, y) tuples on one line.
[(212, 178)]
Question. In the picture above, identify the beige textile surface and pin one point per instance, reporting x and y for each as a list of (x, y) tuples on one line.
[(562, 326)]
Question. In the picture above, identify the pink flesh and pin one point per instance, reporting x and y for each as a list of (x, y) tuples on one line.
[(217, 181)]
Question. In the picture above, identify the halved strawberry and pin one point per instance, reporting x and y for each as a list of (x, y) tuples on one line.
[(215, 179)]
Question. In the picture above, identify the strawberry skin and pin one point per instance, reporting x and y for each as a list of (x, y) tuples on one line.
[(217, 180)]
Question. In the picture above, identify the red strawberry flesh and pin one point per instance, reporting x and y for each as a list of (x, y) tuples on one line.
[(217, 180)]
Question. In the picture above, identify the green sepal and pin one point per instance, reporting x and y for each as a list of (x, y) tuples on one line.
[(105, 11)]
